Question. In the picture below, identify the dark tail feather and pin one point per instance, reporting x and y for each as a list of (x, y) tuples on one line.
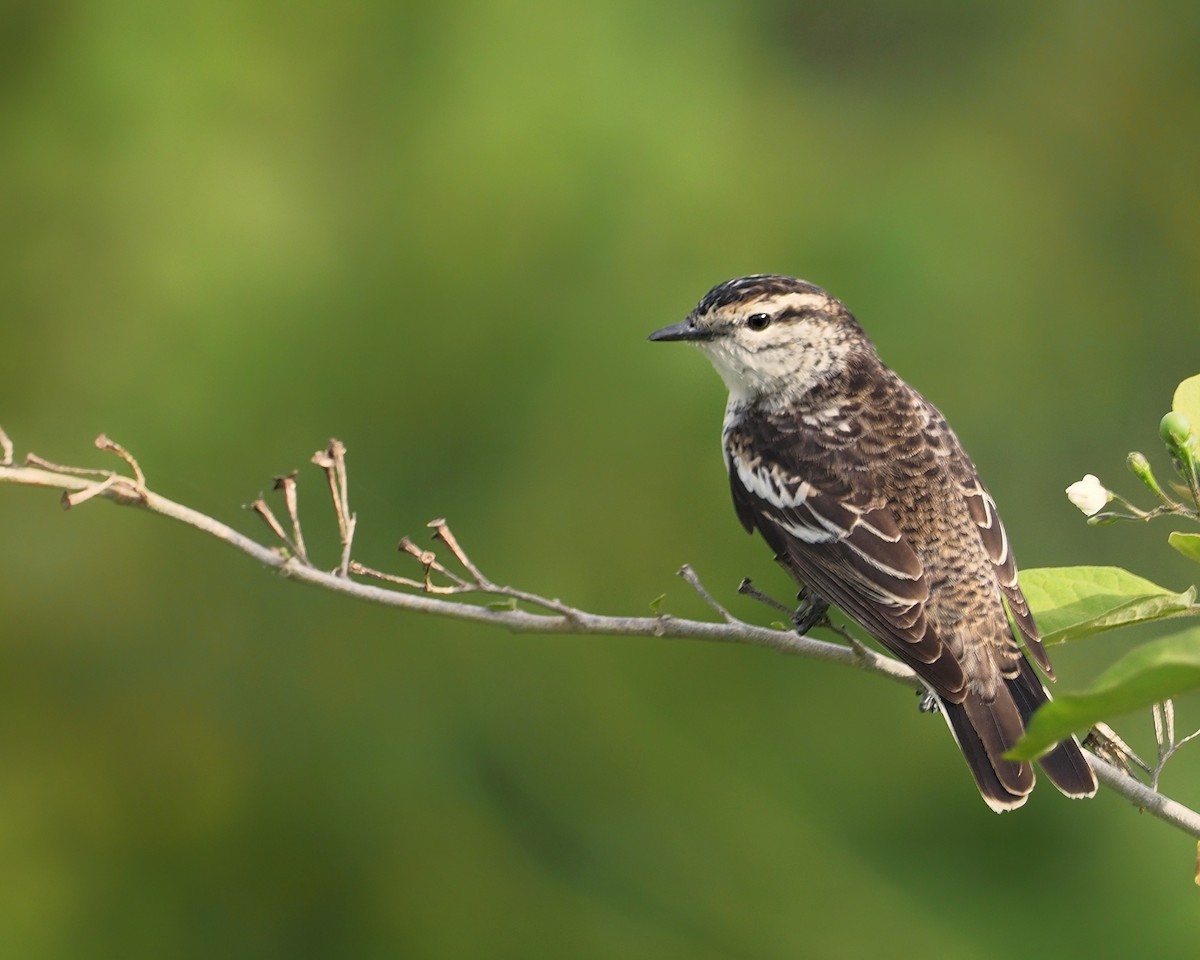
[(1068, 769), (984, 731), (1065, 765)]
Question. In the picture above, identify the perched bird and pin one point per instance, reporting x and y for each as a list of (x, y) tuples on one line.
[(863, 491)]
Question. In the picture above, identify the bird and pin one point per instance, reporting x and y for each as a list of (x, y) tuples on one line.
[(865, 494)]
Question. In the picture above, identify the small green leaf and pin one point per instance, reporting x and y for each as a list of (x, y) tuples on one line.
[(780, 625), (1186, 543), (508, 603), (1071, 603), (1149, 674), (1187, 399), (656, 604)]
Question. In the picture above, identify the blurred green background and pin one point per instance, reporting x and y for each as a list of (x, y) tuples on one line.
[(441, 232)]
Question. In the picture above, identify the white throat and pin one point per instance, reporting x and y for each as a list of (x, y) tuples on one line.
[(776, 375)]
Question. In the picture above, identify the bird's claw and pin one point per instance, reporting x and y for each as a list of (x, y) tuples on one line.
[(812, 612)]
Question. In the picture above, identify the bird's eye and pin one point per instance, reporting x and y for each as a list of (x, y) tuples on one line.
[(758, 321)]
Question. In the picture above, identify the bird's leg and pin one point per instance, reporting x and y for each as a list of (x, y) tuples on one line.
[(812, 612), (929, 703)]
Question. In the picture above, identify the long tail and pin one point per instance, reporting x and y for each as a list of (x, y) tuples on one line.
[(985, 730)]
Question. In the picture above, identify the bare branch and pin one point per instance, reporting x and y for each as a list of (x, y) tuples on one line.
[(1146, 798), (552, 616)]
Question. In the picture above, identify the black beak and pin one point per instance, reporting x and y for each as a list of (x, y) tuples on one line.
[(683, 330)]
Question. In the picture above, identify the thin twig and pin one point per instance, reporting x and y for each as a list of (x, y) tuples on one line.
[(361, 569), (333, 461), (483, 583), (347, 545), (693, 581), (429, 562), (104, 443), (442, 532), (1164, 737), (33, 460), (1188, 739), (287, 484), (70, 500), (264, 511), (747, 589), (1105, 742)]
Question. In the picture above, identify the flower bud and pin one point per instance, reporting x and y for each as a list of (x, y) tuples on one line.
[(1139, 466), (1089, 495), (1175, 429)]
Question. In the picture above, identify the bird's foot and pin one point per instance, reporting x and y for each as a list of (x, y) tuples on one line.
[(812, 612), (929, 703)]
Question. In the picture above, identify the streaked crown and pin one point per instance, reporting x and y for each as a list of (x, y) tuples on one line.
[(754, 288)]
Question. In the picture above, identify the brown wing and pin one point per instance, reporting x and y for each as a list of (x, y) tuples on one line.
[(842, 542)]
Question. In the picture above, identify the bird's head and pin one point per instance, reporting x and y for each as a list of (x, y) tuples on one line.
[(771, 338)]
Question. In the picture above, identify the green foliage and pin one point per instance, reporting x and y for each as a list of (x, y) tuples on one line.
[(1186, 400), (1076, 602), (1149, 674), (1186, 543), (1072, 603)]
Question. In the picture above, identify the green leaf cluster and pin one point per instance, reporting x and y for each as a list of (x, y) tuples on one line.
[(1074, 603)]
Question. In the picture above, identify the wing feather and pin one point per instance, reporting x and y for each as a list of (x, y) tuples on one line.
[(848, 547), (982, 509)]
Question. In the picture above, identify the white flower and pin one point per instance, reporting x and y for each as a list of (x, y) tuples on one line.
[(1089, 495)]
